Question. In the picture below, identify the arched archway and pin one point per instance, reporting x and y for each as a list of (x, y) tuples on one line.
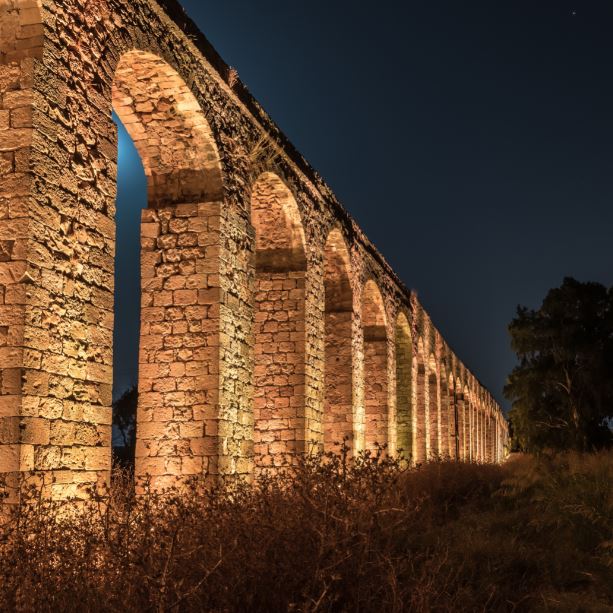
[(338, 395), (374, 325), (460, 419), (474, 428), (489, 452), (433, 410), (480, 428), (404, 373), (280, 344), (179, 351), (169, 130), (444, 423), (454, 419), (421, 404), (468, 425)]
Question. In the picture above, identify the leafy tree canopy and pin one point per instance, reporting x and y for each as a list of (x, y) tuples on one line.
[(562, 388)]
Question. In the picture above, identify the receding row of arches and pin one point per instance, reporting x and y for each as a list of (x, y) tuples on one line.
[(379, 388), (380, 392), (419, 424), (232, 371)]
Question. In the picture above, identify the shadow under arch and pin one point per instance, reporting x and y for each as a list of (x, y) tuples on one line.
[(444, 412), (454, 418), (461, 419), (374, 323), (169, 130), (421, 405), (178, 348), (470, 424), (433, 410), (404, 397), (280, 340), (338, 347)]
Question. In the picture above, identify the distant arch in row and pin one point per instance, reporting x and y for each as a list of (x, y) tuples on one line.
[(374, 326), (280, 343), (404, 392), (338, 347), (183, 169)]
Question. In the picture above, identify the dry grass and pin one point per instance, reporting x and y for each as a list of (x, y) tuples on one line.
[(531, 535)]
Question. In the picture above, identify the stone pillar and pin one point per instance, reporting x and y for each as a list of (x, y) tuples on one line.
[(177, 419), (56, 255), (404, 384), (433, 414), (421, 405), (279, 372)]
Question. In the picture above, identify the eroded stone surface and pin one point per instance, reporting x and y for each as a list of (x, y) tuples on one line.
[(270, 324)]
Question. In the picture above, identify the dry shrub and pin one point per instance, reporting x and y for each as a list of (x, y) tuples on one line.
[(332, 535)]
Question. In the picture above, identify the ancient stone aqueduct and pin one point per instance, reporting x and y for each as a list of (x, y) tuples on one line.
[(269, 321)]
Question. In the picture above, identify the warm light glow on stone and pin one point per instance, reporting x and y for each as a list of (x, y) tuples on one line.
[(268, 318)]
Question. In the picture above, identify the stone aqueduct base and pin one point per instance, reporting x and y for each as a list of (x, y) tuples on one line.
[(268, 318)]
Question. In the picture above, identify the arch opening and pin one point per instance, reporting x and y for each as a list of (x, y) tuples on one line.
[(404, 373), (470, 420), (375, 367), (421, 434), (461, 420), (454, 419), (444, 423), (169, 130), (434, 447), (178, 277), (338, 375), (280, 342)]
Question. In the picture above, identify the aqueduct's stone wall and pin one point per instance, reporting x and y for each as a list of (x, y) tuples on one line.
[(268, 318)]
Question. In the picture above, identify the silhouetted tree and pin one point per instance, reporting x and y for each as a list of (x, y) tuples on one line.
[(562, 389), (124, 420)]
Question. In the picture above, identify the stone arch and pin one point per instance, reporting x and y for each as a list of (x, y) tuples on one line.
[(444, 450), (404, 395), (374, 326), (178, 392), (338, 298), (475, 411), (279, 234), (433, 409), (495, 439), (490, 429), (468, 424), (479, 425), (461, 419), (473, 422), (421, 404), (169, 130), (280, 342), (490, 432), (453, 417)]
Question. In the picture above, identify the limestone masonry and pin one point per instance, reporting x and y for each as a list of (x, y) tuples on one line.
[(270, 324)]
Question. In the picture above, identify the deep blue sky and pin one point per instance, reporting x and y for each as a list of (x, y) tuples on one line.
[(473, 142)]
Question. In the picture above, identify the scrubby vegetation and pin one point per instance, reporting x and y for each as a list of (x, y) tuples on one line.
[(534, 534)]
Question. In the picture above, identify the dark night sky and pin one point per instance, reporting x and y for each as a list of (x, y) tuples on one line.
[(473, 142)]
